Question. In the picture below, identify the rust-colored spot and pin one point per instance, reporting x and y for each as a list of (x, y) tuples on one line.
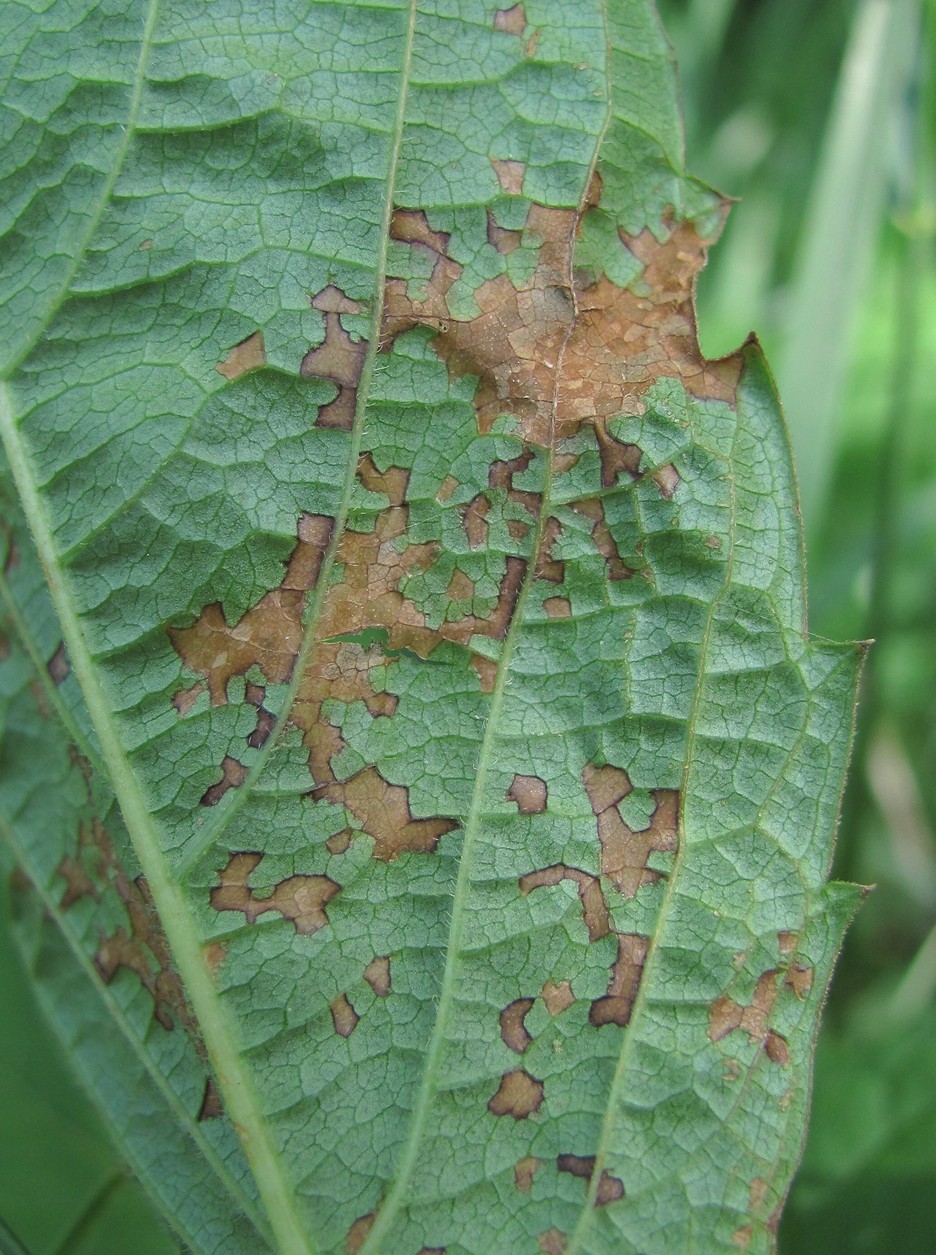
[(449, 484), (358, 1232), (616, 1005), (513, 1029), (558, 607), (340, 842), (339, 359), (552, 1242), (247, 355), (300, 899), (233, 774), (377, 975), (269, 635), (487, 672), (776, 1048), (799, 978), (185, 699), (525, 1170), (530, 793), (58, 665), (344, 1016), (594, 907), (624, 852), (78, 883), (548, 567), (501, 238), (583, 1166), (757, 1193), (518, 1095), (460, 587), (474, 521), (510, 175), (384, 814), (214, 953), (266, 722), (211, 1106), (604, 541), (726, 1015), (558, 997), (787, 941), (332, 300), (667, 480), (392, 482), (141, 948), (512, 21)]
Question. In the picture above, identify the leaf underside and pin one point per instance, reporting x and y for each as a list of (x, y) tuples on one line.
[(419, 767)]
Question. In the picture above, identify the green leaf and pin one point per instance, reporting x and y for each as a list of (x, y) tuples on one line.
[(422, 784)]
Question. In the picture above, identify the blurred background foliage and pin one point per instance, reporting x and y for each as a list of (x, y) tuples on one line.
[(820, 115)]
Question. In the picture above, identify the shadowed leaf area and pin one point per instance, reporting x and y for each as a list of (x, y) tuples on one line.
[(421, 783)]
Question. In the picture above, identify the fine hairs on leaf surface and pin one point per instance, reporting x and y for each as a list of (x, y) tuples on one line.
[(420, 783)]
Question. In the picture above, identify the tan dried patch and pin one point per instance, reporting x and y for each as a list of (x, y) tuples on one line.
[(558, 607), (624, 852), (269, 635), (78, 883), (552, 1242), (530, 794), (592, 508), (512, 21), (610, 1188), (300, 899), (58, 665), (377, 975), (616, 1005), (513, 1029), (557, 997), (211, 1106), (358, 1232), (518, 1095), (344, 1016), (525, 1170), (384, 813), (594, 907), (249, 354), (339, 359), (559, 354), (787, 941), (742, 1238), (510, 175), (726, 1015), (233, 774)]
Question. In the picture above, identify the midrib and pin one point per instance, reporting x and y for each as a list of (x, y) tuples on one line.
[(234, 1078)]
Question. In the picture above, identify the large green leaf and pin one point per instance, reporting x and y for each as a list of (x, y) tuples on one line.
[(436, 786)]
